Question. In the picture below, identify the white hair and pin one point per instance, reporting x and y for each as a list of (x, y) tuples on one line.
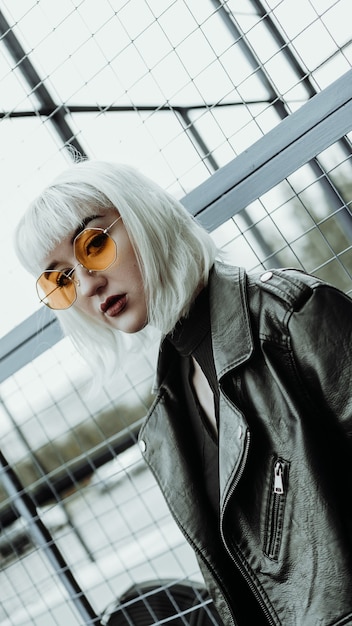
[(174, 252)]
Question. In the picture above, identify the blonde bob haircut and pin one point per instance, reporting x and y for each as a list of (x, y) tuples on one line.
[(174, 252)]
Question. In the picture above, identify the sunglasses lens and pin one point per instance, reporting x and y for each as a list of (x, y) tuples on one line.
[(94, 249), (56, 290)]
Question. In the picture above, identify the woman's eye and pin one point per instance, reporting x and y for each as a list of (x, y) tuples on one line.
[(96, 244), (64, 277)]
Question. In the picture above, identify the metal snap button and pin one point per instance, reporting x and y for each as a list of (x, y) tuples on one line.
[(266, 276), (142, 445)]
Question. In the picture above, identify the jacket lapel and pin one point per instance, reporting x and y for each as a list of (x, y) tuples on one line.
[(232, 346), (230, 322)]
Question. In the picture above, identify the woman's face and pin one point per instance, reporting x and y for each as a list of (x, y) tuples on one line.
[(114, 296)]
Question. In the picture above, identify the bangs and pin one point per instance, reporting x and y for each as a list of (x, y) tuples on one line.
[(52, 217)]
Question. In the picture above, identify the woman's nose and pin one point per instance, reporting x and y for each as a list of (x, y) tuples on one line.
[(89, 281)]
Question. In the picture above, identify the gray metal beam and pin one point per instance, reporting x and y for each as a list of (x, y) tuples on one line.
[(39, 332), (319, 123)]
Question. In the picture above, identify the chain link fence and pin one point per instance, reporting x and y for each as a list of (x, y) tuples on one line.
[(194, 94)]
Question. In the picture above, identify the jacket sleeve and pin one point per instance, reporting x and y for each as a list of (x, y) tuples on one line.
[(321, 341)]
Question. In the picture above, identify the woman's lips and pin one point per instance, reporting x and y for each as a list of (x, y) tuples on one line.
[(114, 305)]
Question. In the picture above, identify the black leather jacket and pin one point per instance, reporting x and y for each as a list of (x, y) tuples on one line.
[(282, 349)]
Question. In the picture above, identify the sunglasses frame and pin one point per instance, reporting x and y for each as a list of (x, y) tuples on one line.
[(75, 281)]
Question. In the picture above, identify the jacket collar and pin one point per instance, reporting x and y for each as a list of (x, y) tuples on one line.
[(229, 314), (230, 323)]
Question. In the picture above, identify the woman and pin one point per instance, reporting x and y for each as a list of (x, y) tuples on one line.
[(249, 435)]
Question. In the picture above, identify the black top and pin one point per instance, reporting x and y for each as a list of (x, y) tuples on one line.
[(192, 338)]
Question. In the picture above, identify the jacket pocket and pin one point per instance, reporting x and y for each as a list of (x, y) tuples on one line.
[(276, 509)]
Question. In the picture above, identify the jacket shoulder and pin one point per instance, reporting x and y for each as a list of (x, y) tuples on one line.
[(292, 287)]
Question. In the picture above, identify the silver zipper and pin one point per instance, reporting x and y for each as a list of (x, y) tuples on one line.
[(275, 510), (278, 481)]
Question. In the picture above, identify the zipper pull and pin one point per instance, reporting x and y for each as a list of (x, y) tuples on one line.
[(278, 482)]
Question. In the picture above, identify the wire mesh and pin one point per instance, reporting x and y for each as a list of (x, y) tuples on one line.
[(177, 89)]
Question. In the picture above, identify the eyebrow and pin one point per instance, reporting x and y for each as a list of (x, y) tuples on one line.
[(82, 226), (78, 230)]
